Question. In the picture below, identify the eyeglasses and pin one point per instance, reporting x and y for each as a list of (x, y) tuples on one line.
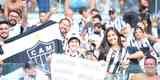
[(97, 27)]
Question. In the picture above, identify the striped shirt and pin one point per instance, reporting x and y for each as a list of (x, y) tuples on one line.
[(145, 43), (114, 59), (118, 23)]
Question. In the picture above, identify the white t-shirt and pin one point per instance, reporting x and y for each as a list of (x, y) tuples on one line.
[(14, 31)]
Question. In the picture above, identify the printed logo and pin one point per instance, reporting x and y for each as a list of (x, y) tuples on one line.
[(39, 52)]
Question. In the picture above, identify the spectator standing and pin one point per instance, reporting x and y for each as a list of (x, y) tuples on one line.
[(97, 35), (145, 43), (115, 20), (111, 51), (15, 19), (145, 14), (103, 7)]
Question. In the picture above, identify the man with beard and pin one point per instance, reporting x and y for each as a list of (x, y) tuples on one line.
[(15, 18), (65, 30), (4, 28)]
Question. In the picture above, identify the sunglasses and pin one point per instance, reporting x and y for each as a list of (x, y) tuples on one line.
[(98, 27), (111, 12)]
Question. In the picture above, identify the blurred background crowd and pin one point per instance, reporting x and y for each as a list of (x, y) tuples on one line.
[(123, 34)]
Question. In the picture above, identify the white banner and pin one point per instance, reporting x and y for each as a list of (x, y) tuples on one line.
[(64, 67), (34, 45)]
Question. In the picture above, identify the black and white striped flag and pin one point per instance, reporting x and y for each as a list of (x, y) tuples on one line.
[(34, 45)]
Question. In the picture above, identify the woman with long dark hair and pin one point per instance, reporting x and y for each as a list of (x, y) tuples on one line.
[(111, 50), (115, 55)]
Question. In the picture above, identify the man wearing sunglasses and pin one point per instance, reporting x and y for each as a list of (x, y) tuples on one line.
[(97, 35)]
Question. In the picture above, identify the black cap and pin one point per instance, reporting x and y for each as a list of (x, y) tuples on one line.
[(3, 19), (72, 38)]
